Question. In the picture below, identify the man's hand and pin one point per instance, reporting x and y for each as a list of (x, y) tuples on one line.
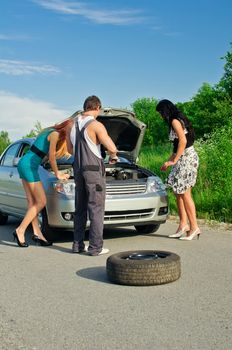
[(113, 160)]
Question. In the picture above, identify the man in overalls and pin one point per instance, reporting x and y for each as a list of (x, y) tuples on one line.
[(86, 137)]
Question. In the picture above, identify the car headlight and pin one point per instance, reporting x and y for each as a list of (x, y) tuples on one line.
[(155, 184), (67, 188)]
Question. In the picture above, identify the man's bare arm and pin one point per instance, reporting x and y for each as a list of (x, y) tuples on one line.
[(105, 140)]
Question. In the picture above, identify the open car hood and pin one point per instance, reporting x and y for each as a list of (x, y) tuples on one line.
[(126, 131)]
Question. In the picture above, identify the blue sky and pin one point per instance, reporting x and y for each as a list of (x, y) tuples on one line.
[(55, 53)]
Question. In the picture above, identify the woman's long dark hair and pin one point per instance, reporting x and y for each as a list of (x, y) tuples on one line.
[(169, 112)]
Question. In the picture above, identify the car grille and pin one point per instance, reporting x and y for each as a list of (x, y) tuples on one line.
[(128, 214), (119, 189)]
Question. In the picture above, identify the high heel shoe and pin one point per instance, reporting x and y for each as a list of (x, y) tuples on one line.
[(20, 244), (179, 233), (40, 241), (193, 235)]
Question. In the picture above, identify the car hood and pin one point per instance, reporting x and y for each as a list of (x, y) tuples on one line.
[(124, 128)]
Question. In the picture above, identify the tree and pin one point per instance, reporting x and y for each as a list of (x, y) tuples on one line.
[(145, 110), (211, 107), (201, 110), (4, 140), (226, 81), (36, 130)]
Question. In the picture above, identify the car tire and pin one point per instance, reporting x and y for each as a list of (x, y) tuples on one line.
[(48, 232), (147, 228), (143, 268), (3, 219)]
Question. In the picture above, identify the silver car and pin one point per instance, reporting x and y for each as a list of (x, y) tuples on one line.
[(134, 195)]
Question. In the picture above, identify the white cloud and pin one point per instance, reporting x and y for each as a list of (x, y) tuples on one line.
[(13, 67), (101, 16), (173, 34), (18, 115), (165, 32), (8, 37)]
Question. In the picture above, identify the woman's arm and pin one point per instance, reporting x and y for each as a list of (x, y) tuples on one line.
[(182, 139), (181, 145), (53, 138)]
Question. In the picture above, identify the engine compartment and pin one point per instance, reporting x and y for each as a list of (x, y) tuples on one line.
[(114, 172), (124, 173)]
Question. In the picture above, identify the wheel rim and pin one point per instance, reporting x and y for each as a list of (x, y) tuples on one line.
[(40, 219), (146, 256)]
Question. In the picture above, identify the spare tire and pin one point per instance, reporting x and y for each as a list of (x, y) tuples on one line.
[(143, 267)]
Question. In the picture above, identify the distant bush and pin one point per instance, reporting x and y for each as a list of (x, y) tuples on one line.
[(214, 187)]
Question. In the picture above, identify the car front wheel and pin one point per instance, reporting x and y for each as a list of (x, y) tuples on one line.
[(147, 228), (49, 233), (3, 219)]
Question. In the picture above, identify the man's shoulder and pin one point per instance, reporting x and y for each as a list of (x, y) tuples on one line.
[(95, 124), (98, 127)]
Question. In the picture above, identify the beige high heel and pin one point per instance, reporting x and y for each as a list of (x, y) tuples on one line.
[(193, 235), (179, 233)]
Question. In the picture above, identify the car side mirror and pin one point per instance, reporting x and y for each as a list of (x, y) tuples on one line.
[(16, 161)]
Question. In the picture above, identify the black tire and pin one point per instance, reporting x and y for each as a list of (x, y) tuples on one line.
[(3, 219), (49, 233), (147, 228), (143, 268)]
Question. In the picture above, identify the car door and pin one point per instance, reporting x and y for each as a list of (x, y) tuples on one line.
[(12, 195)]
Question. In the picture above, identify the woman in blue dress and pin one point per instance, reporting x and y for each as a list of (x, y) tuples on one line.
[(50, 142)]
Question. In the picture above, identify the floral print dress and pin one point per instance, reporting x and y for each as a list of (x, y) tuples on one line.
[(184, 173)]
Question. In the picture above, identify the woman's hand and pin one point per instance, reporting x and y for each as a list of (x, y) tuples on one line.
[(61, 176), (167, 164)]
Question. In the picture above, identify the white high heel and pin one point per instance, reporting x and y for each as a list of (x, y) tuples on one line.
[(179, 233), (193, 235)]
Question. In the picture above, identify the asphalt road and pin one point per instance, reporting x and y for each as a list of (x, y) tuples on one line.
[(52, 299)]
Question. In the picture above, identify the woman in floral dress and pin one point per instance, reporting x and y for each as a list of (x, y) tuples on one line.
[(184, 162)]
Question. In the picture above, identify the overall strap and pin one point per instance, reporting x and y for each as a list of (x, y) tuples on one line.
[(85, 126)]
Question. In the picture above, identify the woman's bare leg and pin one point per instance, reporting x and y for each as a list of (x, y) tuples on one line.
[(35, 222), (190, 209), (36, 202), (181, 211)]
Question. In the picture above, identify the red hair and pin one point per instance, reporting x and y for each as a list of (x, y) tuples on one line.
[(61, 147)]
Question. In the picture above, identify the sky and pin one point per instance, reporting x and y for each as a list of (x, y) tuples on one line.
[(55, 53)]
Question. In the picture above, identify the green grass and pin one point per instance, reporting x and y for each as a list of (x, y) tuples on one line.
[(213, 191)]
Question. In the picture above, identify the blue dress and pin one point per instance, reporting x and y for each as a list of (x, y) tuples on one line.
[(28, 165)]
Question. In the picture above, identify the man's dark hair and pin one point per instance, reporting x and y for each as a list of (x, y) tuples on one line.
[(91, 103)]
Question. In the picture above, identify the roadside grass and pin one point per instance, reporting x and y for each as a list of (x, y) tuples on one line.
[(213, 191)]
